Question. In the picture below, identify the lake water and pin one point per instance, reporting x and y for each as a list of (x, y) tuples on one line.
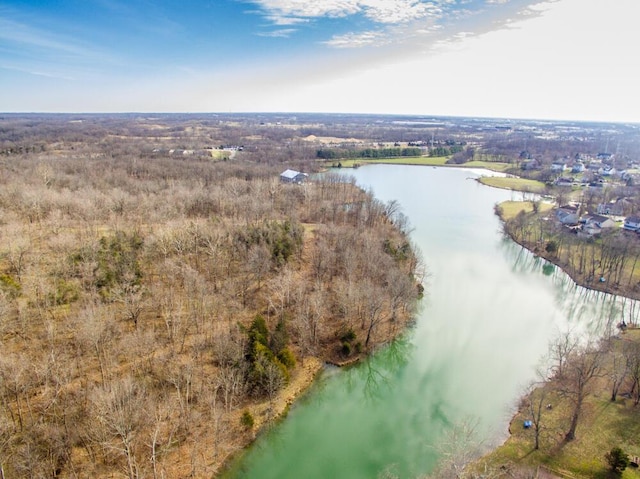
[(490, 312)]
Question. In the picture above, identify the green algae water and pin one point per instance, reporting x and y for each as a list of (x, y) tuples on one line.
[(488, 316)]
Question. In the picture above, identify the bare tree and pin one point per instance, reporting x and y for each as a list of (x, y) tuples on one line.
[(618, 365), (559, 351), (121, 412), (582, 366)]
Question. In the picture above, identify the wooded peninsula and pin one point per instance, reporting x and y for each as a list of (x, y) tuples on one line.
[(154, 305)]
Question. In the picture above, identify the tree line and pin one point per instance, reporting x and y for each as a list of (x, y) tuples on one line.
[(340, 153)]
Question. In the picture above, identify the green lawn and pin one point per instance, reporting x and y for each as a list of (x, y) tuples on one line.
[(510, 209), (514, 183)]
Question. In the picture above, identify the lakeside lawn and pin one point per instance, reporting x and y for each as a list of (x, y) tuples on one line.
[(510, 209), (514, 183), (603, 425), (421, 160)]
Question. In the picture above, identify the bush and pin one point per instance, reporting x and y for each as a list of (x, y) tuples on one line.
[(10, 285), (247, 420), (551, 247), (348, 336), (287, 358), (617, 460)]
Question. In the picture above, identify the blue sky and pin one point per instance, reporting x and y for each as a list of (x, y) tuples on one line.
[(564, 59)]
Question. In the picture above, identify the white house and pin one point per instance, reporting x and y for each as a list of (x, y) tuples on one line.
[(632, 223), (594, 224), (293, 176)]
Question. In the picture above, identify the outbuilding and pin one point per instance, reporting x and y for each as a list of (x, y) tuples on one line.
[(293, 176)]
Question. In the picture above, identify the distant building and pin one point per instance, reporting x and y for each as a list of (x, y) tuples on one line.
[(605, 156), (578, 167), (564, 181), (615, 208), (531, 165), (568, 215), (293, 176), (594, 224), (631, 223)]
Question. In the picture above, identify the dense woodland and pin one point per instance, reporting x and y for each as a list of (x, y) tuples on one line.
[(146, 300)]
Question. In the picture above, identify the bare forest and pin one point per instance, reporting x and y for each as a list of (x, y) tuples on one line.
[(154, 290)]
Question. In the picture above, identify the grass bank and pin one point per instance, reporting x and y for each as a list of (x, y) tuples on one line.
[(511, 209), (514, 183)]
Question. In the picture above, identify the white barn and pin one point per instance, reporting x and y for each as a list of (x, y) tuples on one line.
[(293, 176)]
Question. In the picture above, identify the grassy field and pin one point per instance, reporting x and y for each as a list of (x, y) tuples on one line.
[(514, 183), (603, 425), (421, 160), (510, 209)]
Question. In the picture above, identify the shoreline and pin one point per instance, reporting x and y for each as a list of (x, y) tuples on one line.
[(268, 413), (600, 287)]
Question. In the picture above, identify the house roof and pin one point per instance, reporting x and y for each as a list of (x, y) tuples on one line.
[(291, 174), (569, 208), (597, 218)]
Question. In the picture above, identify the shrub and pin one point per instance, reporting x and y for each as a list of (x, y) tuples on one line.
[(287, 358), (348, 336), (247, 420), (617, 460), (10, 285), (551, 247)]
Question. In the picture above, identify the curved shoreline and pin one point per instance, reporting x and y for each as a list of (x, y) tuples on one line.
[(601, 287)]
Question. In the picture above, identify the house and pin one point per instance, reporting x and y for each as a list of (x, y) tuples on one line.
[(531, 165), (615, 208), (564, 181), (577, 167), (568, 215), (605, 156), (558, 165), (293, 176), (632, 223), (594, 224)]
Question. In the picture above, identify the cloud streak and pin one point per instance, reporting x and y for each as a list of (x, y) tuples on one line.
[(386, 22), (25, 36)]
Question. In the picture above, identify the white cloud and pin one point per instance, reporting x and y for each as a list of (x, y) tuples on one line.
[(355, 40), (284, 21), (308, 8), (379, 11), (282, 33)]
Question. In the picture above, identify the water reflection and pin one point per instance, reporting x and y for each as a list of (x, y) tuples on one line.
[(491, 310), (587, 310), (379, 373)]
